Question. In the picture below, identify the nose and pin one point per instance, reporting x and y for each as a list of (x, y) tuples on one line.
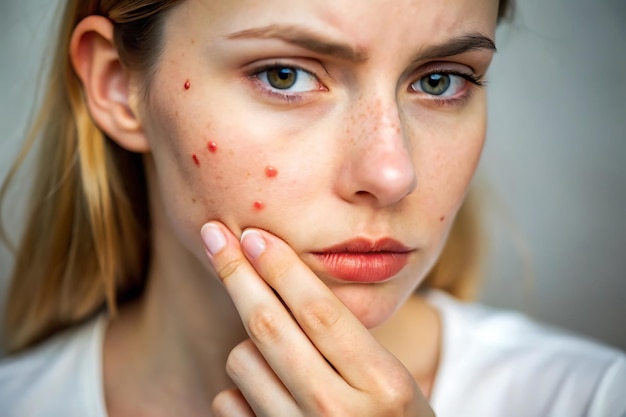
[(379, 168)]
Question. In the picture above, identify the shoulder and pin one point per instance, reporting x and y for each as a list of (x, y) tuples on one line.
[(503, 362), (61, 377)]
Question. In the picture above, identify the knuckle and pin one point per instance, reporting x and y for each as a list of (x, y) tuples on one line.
[(396, 390), (238, 360), (265, 325), (324, 405), (229, 268), (279, 272), (222, 403), (320, 315)]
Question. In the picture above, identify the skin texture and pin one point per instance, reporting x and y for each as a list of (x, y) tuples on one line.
[(357, 152)]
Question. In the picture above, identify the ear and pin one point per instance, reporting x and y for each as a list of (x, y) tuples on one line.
[(106, 83)]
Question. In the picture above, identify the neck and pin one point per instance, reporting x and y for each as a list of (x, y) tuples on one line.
[(413, 336), (179, 333)]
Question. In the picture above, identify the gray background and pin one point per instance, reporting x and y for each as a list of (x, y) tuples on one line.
[(553, 166)]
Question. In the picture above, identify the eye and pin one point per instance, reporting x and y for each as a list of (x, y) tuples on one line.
[(441, 84), (288, 79)]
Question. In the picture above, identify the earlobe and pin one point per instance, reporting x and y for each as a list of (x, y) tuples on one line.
[(106, 83)]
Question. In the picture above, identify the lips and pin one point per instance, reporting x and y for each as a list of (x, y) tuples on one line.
[(363, 260)]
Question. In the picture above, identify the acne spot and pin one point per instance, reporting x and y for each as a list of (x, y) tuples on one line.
[(195, 159), (442, 218), (258, 205), (271, 172), (187, 85), (212, 146)]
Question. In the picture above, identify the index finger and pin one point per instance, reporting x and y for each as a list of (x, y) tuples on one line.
[(329, 324), (283, 344)]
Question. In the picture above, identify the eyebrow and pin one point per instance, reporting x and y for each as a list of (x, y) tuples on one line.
[(303, 38), (457, 46), (313, 42)]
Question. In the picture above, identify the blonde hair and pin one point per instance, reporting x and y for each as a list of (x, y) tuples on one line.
[(86, 242)]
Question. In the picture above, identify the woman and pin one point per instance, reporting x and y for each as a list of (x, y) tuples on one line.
[(257, 190)]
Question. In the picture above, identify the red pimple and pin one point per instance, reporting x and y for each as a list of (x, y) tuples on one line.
[(271, 172), (258, 205), (187, 85), (212, 146), (195, 159)]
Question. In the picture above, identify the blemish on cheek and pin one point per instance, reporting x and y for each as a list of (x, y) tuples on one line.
[(271, 172), (258, 205), (212, 146), (195, 159), (442, 218), (187, 85)]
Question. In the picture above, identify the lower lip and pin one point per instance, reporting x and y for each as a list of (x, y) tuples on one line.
[(365, 267)]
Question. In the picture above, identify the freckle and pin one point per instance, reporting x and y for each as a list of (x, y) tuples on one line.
[(193, 200), (442, 218), (212, 146), (187, 85), (271, 172), (195, 159), (258, 205)]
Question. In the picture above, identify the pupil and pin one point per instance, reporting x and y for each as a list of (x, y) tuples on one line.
[(434, 80)]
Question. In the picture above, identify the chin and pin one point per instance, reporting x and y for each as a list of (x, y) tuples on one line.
[(372, 306)]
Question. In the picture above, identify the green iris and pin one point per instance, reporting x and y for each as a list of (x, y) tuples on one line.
[(282, 78), (436, 84)]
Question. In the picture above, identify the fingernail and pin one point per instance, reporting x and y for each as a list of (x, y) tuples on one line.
[(252, 243), (213, 238)]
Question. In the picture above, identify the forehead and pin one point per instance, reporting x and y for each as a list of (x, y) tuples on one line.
[(366, 24)]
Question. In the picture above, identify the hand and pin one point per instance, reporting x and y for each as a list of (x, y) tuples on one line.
[(309, 356)]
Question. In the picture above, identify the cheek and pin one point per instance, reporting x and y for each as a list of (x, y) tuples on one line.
[(446, 155), (212, 172)]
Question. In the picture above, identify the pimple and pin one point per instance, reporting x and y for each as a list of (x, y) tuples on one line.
[(195, 159), (212, 146), (442, 218), (271, 172), (258, 205), (187, 85)]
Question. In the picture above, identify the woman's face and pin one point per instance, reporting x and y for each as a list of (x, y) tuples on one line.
[(322, 122)]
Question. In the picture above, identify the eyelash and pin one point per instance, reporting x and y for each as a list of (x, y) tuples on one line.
[(474, 82), (290, 98)]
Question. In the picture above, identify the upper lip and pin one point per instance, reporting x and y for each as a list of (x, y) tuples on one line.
[(365, 245)]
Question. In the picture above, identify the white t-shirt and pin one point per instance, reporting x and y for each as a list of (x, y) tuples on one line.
[(498, 363), (492, 364)]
